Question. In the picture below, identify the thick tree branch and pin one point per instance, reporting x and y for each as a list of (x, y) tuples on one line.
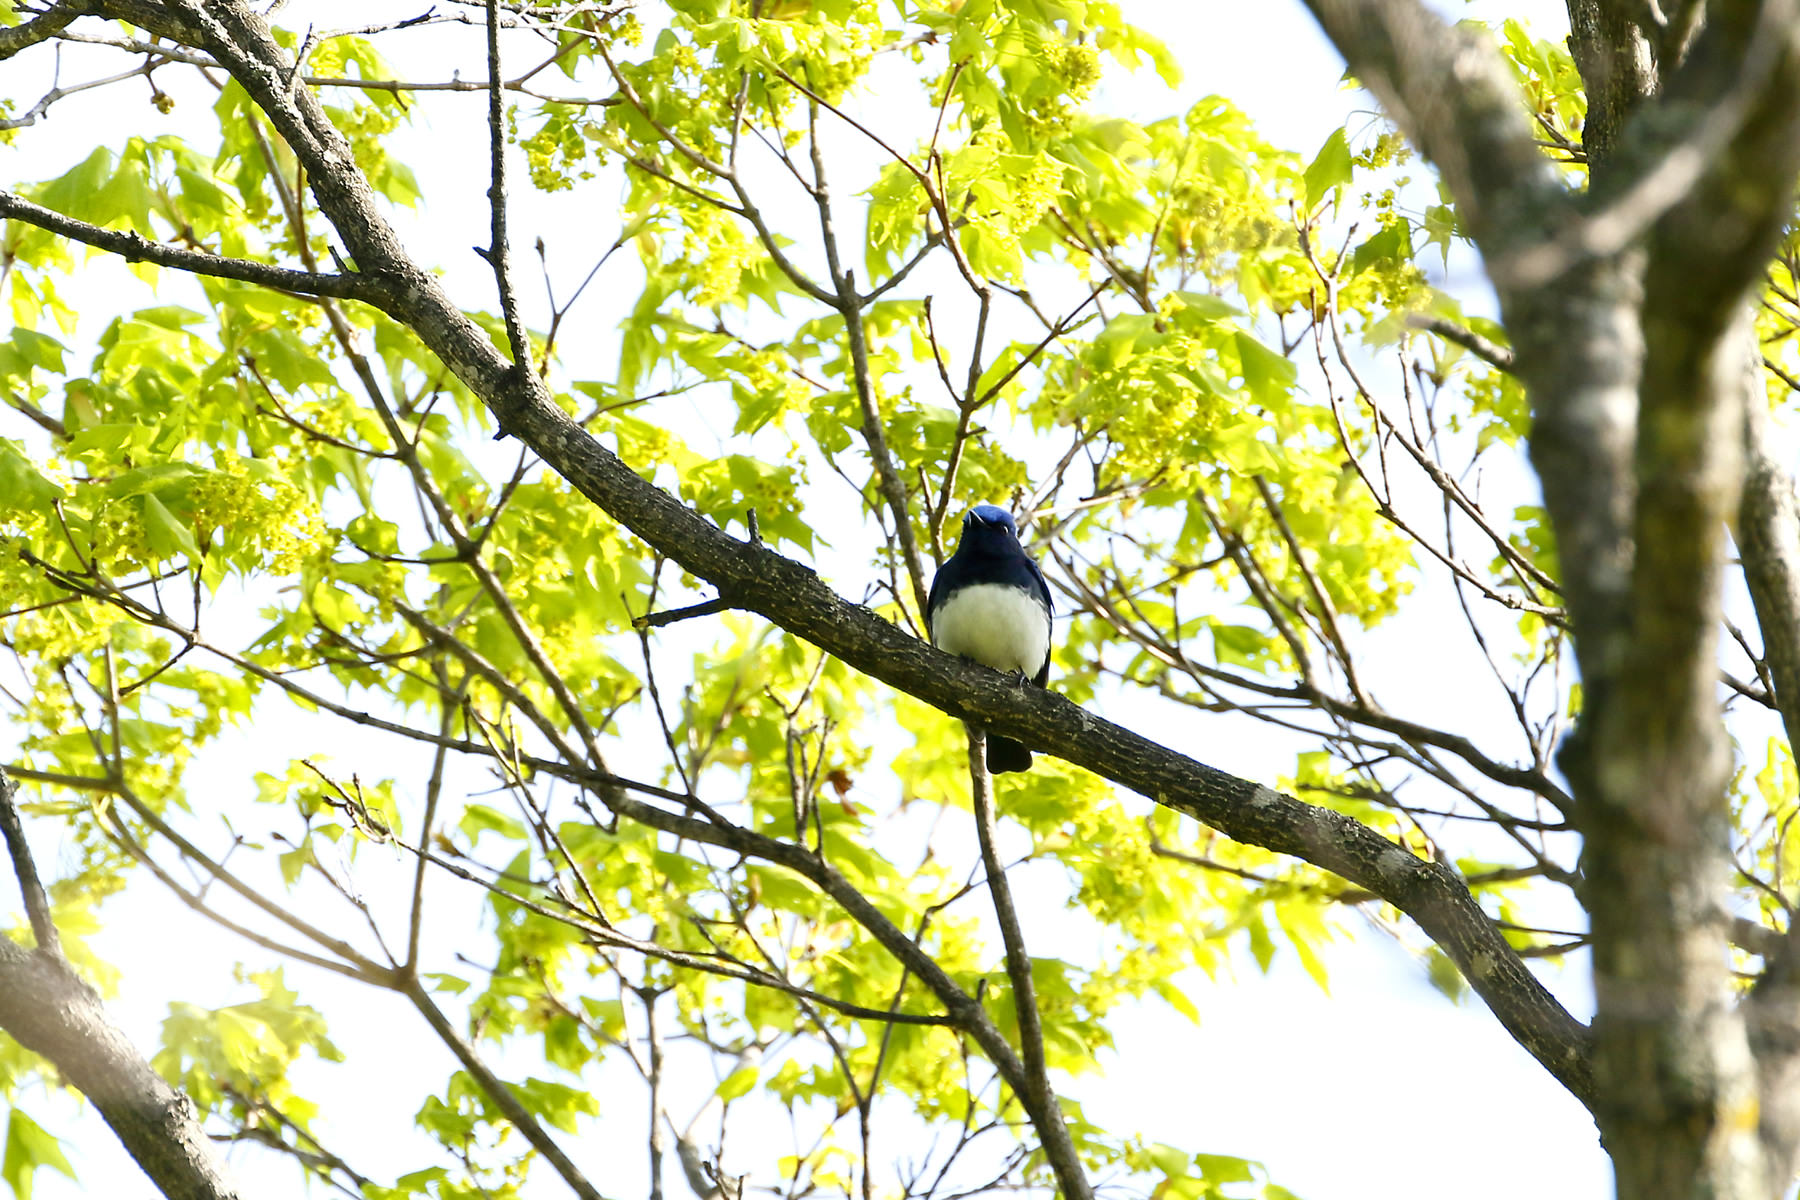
[(44, 26), (1653, 865), (1663, 157), (51, 1012), (1670, 1045), (1618, 64)]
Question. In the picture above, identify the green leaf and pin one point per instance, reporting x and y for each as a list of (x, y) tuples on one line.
[(1207, 307), (1444, 975), (28, 1147), (608, 1014), (1262, 946), (22, 488), (478, 819), (293, 862), (1329, 170), (1177, 999), (557, 1103), (737, 1084), (1390, 247), (1223, 1168), (155, 477), (1240, 645), (1170, 1160), (1267, 375), (28, 349), (167, 535)]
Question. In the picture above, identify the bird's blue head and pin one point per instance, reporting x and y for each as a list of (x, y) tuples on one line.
[(990, 530), (990, 515)]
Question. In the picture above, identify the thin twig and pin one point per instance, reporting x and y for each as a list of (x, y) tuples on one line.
[(1328, 617), (434, 789), (1492, 353), (498, 255)]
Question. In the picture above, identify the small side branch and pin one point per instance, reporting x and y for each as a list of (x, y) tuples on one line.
[(1490, 352), (705, 608), (37, 903), (133, 247), (498, 255)]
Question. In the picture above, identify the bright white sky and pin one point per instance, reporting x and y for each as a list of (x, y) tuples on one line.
[(1380, 1089)]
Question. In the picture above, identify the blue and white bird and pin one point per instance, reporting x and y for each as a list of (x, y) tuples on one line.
[(990, 603)]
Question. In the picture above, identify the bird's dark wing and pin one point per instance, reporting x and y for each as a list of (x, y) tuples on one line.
[(1039, 585), (938, 591), (1040, 588)]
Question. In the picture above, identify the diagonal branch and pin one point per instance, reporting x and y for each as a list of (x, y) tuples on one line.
[(1492, 353), (497, 1091), (37, 903), (51, 1011), (134, 247)]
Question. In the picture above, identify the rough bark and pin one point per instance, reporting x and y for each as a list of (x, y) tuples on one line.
[(1677, 1082), (46, 24), (1673, 1073), (1618, 65), (50, 1011)]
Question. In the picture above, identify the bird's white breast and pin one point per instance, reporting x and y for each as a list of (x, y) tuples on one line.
[(1004, 627)]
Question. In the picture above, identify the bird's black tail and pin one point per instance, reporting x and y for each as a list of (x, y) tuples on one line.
[(1004, 754)]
